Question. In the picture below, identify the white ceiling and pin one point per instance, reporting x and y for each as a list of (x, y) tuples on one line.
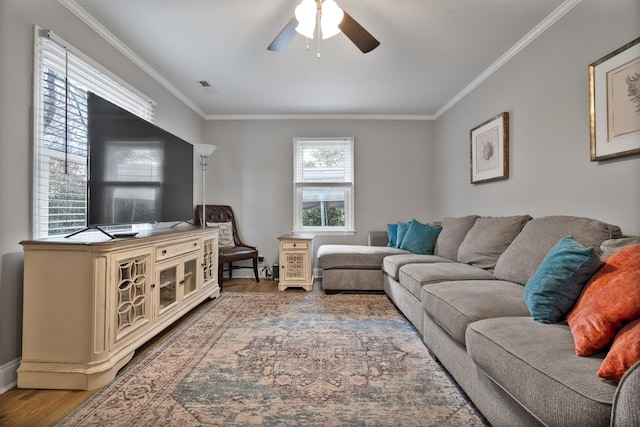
[(431, 52)]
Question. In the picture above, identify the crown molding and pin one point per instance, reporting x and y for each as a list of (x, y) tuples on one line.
[(317, 117), (90, 21), (562, 10)]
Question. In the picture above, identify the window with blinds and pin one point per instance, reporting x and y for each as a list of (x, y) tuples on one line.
[(323, 185), (64, 76)]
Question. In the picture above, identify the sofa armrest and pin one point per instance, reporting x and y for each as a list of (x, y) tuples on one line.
[(378, 238), (626, 411)]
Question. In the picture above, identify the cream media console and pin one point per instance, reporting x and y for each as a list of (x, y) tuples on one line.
[(89, 305)]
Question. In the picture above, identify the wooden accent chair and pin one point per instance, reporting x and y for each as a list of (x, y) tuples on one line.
[(231, 248)]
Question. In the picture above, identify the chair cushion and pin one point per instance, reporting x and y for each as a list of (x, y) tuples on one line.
[(237, 251), (455, 305), (558, 387), (488, 238), (523, 257), (453, 233)]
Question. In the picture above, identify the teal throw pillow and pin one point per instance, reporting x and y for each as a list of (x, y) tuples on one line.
[(402, 230), (555, 287), (392, 230), (420, 238)]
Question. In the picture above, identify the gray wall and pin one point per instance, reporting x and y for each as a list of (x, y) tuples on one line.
[(252, 170), (17, 20), (545, 91)]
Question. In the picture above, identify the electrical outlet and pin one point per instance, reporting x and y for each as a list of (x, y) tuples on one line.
[(260, 258)]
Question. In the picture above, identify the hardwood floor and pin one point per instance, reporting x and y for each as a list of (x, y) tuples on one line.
[(43, 408)]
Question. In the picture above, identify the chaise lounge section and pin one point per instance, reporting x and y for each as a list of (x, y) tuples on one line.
[(467, 301)]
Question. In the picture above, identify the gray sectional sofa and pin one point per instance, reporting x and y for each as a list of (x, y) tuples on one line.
[(466, 300)]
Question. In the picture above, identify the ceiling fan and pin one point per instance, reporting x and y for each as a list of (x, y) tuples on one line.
[(329, 20)]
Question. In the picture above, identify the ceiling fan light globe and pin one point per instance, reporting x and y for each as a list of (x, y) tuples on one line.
[(306, 16), (331, 17), (307, 29)]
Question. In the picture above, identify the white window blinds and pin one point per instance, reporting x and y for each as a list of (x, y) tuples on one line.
[(63, 76)]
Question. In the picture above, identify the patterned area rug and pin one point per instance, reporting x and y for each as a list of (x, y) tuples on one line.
[(285, 359)]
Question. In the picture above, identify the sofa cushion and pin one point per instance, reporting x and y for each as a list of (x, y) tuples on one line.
[(624, 352), (420, 238), (610, 299), (401, 230), (554, 288), (523, 257), (413, 276), (454, 305), (535, 363), (611, 246), (354, 256), (392, 230), (488, 238), (453, 233), (391, 264)]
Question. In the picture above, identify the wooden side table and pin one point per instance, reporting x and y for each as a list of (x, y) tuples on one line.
[(296, 252)]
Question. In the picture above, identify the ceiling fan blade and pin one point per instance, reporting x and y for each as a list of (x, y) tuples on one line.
[(285, 36), (357, 34)]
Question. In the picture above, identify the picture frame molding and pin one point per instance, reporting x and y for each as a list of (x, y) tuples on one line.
[(485, 169), (599, 108)]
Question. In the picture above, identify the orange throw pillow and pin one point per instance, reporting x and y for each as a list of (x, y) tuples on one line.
[(624, 352), (610, 298)]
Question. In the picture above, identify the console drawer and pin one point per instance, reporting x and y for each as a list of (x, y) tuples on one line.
[(175, 249)]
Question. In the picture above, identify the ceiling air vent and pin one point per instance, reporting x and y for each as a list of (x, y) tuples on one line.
[(207, 86)]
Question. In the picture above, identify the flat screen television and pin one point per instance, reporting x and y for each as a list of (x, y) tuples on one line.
[(138, 173)]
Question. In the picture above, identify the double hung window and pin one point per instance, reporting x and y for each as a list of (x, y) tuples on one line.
[(323, 185), (63, 78)]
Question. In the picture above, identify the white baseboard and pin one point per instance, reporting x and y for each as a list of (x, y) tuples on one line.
[(8, 375)]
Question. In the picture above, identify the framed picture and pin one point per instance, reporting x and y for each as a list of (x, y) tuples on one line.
[(490, 150), (614, 103)]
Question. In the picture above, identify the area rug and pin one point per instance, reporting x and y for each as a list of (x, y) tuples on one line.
[(285, 359)]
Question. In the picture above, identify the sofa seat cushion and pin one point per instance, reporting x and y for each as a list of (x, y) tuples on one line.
[(414, 276), (391, 264), (536, 364), (455, 305), (354, 256)]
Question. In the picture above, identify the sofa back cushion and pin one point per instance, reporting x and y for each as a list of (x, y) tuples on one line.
[(523, 257), (611, 246), (453, 233), (488, 238)]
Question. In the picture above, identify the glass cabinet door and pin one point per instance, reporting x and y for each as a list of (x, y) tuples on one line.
[(168, 286), (190, 276)]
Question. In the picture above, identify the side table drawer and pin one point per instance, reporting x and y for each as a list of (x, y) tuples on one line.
[(295, 244), (165, 252)]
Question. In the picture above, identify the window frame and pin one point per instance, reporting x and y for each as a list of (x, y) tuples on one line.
[(348, 184)]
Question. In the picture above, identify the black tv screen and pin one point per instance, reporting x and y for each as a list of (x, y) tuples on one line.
[(138, 173)]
